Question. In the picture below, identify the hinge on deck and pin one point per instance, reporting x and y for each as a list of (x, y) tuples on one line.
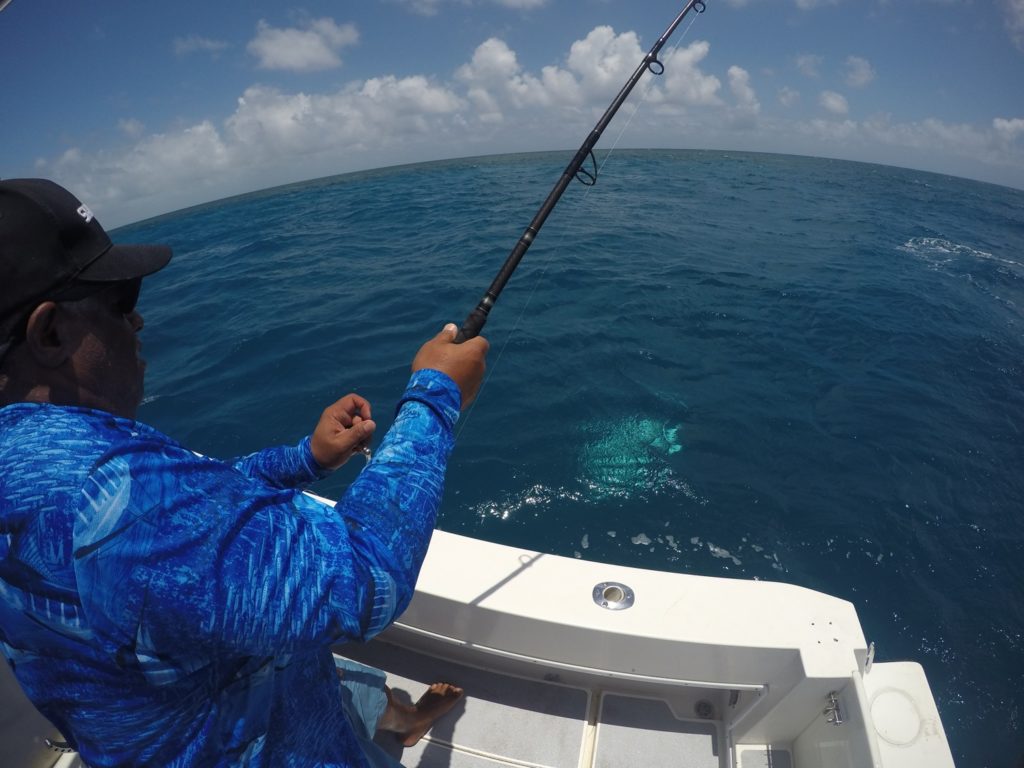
[(832, 711), (58, 746)]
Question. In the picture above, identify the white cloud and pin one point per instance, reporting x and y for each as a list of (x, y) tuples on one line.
[(831, 131), (492, 61), (739, 84), (150, 167), (1008, 130), (595, 69), (270, 135), (183, 46), (834, 102), (159, 157), (310, 49), (1014, 10), (953, 146), (859, 72), (808, 64), (431, 7), (744, 114), (602, 61), (131, 127), (804, 5), (788, 96), (807, 5), (684, 82), (942, 139), (494, 77), (493, 104), (271, 124), (422, 7), (273, 135)]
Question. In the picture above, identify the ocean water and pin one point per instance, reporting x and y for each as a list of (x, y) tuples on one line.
[(740, 365)]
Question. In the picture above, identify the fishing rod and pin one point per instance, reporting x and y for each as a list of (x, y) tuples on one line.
[(474, 322)]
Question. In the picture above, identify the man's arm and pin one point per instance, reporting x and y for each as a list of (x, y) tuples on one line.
[(392, 507), (343, 427), (282, 466), (177, 556)]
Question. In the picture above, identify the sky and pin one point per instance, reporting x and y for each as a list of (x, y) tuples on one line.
[(143, 108)]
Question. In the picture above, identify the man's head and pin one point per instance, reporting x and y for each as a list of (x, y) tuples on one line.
[(68, 323)]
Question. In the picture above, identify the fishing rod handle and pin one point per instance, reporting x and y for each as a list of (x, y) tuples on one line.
[(474, 322)]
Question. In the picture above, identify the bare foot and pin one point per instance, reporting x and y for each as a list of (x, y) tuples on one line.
[(438, 699)]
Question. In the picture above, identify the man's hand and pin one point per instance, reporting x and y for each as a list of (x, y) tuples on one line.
[(343, 427), (464, 363)]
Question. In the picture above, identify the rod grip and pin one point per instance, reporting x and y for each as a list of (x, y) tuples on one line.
[(472, 326)]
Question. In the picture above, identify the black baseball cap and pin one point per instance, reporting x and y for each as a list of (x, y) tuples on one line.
[(52, 246)]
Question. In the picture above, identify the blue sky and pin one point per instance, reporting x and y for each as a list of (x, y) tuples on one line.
[(143, 108)]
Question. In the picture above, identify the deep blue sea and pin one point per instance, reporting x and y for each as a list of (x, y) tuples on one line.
[(741, 365)]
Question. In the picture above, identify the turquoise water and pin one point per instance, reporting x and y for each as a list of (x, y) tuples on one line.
[(740, 365)]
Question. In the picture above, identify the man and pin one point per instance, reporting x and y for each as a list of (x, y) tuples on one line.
[(162, 608)]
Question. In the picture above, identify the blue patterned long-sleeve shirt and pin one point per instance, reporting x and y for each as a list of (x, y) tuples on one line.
[(167, 609)]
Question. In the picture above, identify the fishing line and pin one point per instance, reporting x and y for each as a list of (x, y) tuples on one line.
[(648, 87), (491, 369), (475, 321)]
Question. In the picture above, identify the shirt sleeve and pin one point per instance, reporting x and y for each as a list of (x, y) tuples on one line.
[(178, 556), (283, 466), (391, 525)]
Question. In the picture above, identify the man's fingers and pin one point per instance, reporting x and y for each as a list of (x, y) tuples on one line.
[(344, 426), (353, 404), (348, 409), (355, 434), (478, 341), (361, 432)]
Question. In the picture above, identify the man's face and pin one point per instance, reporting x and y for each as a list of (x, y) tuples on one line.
[(107, 367)]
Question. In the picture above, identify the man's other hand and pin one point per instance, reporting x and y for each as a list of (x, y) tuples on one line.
[(464, 363), (343, 427)]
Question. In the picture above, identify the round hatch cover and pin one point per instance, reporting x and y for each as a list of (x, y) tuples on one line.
[(895, 717)]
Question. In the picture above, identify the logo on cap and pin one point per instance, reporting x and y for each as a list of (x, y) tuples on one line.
[(85, 213)]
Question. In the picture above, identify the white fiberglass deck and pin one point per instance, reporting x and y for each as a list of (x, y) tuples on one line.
[(697, 672), (506, 720)]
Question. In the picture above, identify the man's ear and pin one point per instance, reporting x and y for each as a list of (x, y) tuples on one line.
[(48, 336)]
